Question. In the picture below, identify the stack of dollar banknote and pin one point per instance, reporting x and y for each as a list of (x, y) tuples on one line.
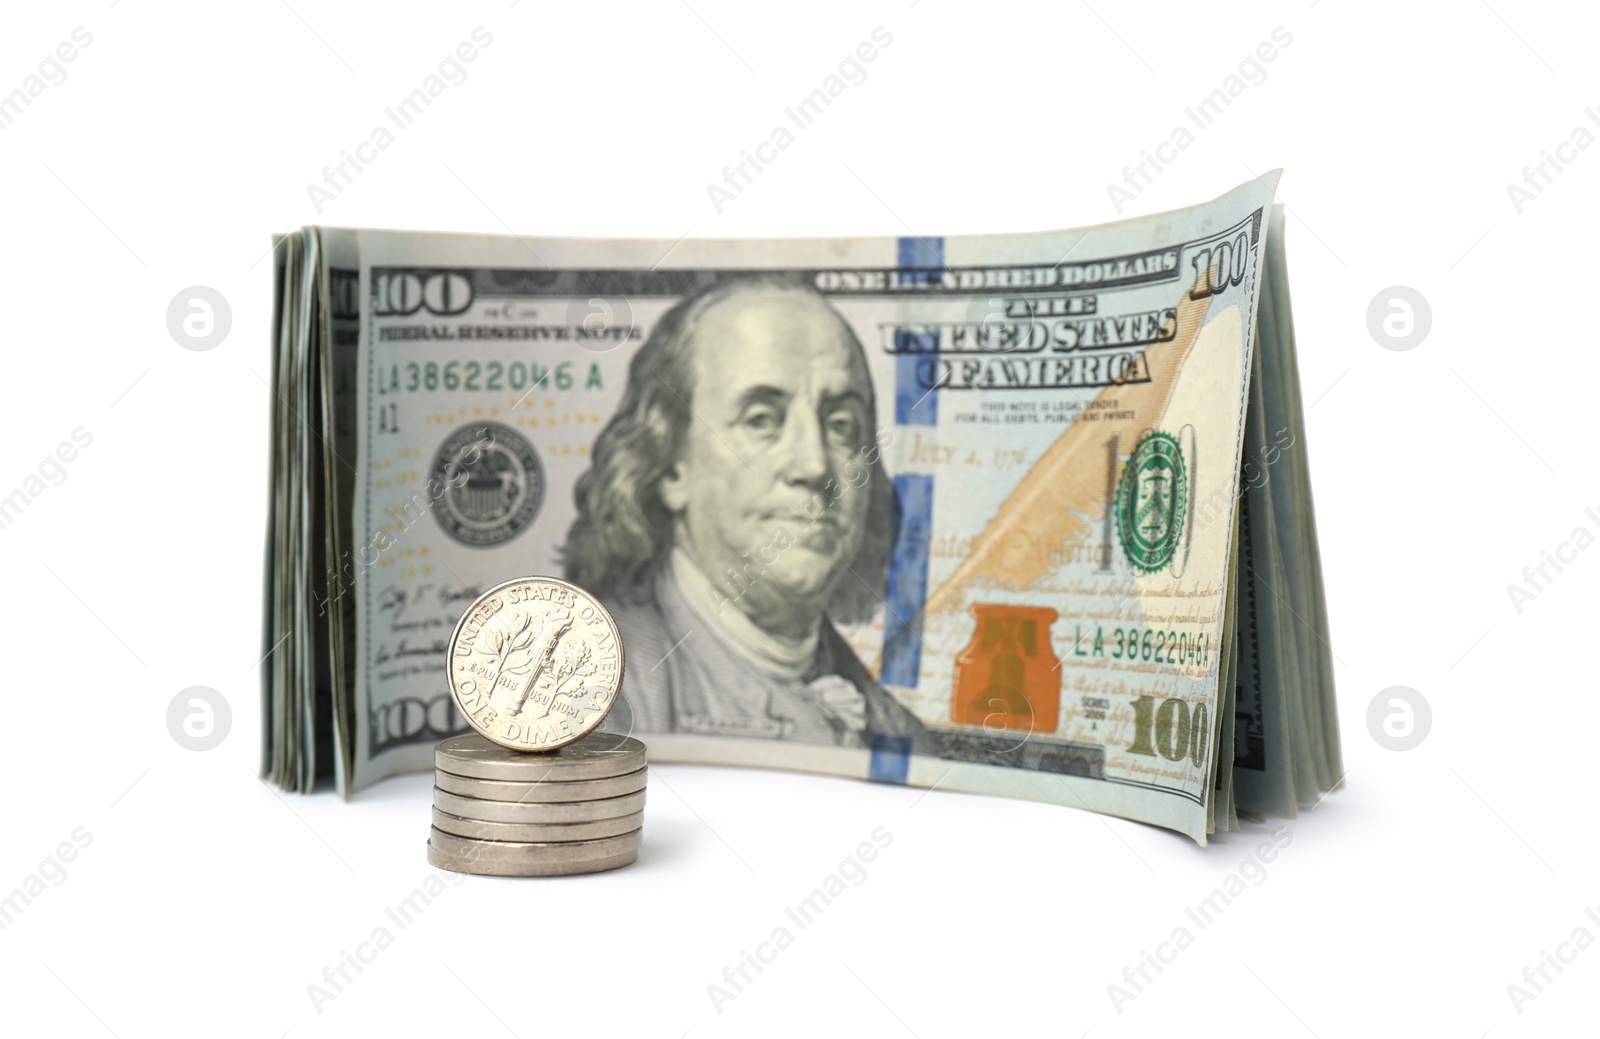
[(501, 812), (1025, 515)]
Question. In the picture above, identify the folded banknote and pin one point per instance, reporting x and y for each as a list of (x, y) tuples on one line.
[(1020, 514)]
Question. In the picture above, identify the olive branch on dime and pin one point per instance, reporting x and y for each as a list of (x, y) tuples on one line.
[(505, 643)]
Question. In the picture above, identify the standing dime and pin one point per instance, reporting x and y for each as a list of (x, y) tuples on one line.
[(508, 859), (533, 793), (538, 811), (535, 663), (599, 755)]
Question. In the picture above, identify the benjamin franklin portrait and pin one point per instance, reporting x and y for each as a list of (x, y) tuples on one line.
[(736, 509)]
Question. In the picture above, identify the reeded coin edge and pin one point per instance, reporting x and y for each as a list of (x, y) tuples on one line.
[(549, 785), (444, 860), (630, 760), (443, 746), (533, 849), (635, 818), (539, 810)]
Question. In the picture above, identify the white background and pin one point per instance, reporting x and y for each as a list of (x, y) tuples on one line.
[(207, 903)]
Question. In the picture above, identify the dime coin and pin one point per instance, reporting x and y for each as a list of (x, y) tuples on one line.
[(540, 832), (535, 663), (537, 811), (520, 859), (533, 792), (599, 755)]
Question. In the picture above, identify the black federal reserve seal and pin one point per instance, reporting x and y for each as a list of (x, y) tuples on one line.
[(492, 484)]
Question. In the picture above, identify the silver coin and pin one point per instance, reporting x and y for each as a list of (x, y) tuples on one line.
[(536, 811), (534, 792), (599, 755), (525, 859), (535, 663), (543, 833)]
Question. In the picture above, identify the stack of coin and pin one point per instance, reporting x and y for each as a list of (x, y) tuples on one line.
[(506, 813), (534, 666)]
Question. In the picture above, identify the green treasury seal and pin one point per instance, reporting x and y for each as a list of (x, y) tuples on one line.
[(1151, 501)]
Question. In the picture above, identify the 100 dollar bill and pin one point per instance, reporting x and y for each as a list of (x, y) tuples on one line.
[(957, 512)]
